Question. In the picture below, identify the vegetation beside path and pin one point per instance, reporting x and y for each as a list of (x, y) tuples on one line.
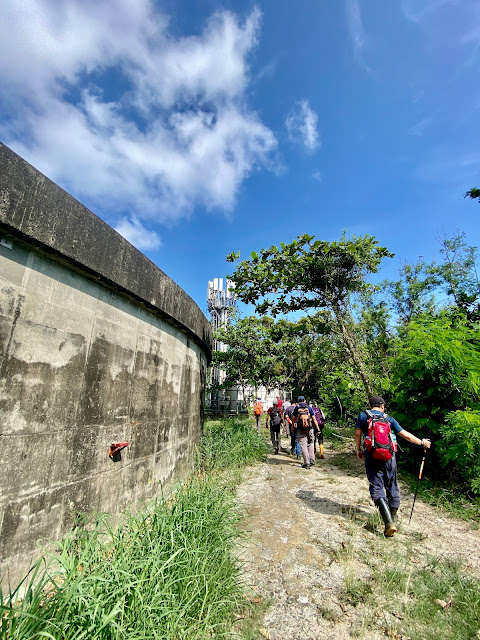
[(169, 572), (172, 571)]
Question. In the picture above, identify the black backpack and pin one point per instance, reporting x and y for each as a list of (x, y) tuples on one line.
[(276, 417)]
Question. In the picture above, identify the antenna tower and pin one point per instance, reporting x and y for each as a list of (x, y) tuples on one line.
[(220, 301)]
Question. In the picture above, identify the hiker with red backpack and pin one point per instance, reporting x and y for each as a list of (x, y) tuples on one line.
[(258, 412), (380, 431), (275, 416), (305, 422)]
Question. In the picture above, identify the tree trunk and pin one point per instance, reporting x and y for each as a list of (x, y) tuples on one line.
[(352, 349)]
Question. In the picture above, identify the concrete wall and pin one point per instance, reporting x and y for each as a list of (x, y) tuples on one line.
[(97, 345)]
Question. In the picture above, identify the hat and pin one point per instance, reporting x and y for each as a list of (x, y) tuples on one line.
[(376, 401), (301, 399)]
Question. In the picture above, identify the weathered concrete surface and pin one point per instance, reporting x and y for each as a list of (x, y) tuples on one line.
[(96, 345)]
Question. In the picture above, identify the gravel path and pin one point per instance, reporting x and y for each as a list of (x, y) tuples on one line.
[(301, 522)]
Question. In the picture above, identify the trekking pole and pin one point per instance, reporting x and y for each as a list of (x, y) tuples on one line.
[(418, 481)]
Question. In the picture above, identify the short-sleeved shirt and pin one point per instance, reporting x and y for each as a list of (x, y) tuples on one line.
[(362, 422), (289, 410), (269, 411)]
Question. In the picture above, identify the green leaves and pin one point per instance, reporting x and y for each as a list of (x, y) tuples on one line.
[(461, 444), (307, 274), (311, 274)]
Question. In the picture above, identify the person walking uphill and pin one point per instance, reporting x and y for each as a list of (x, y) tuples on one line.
[(320, 417), (379, 431), (305, 422), (276, 421), (258, 412)]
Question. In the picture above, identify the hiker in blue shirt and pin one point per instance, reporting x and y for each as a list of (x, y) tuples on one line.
[(382, 475)]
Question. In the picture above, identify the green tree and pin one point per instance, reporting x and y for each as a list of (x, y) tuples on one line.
[(436, 374), (413, 294), (458, 271), (253, 356), (239, 361), (473, 193), (313, 274)]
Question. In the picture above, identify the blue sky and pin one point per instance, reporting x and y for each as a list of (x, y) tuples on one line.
[(198, 128)]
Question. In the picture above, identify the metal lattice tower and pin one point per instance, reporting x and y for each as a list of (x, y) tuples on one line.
[(220, 302)]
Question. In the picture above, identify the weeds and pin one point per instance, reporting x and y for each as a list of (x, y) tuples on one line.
[(433, 602), (451, 499), (230, 443)]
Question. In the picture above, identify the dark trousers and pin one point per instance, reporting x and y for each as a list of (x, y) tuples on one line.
[(275, 437), (294, 445), (382, 478), (319, 435)]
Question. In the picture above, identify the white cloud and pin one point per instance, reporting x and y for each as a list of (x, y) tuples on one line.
[(419, 128), (302, 125), (356, 31), (317, 176), (133, 231), (172, 134), (417, 12)]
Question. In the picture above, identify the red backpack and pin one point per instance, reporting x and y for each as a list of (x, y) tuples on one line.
[(379, 441)]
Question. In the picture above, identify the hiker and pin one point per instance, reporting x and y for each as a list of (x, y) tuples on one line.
[(305, 422), (382, 473), (291, 433), (275, 417), (286, 426), (258, 412), (320, 417)]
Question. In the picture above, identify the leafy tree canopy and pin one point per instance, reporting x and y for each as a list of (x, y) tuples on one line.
[(307, 273), (473, 193), (313, 274)]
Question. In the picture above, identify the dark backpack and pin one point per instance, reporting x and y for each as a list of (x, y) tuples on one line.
[(304, 420), (318, 413), (276, 417), (379, 441)]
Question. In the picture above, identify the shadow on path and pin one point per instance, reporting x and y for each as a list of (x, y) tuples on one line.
[(327, 506)]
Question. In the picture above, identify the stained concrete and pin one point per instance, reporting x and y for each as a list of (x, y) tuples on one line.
[(97, 345)]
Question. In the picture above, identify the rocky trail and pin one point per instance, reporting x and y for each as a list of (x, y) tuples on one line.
[(305, 530)]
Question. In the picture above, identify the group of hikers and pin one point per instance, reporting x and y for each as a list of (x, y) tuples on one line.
[(301, 422), (375, 440)]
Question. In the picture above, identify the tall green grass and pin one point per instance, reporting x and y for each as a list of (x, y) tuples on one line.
[(230, 443), (169, 572)]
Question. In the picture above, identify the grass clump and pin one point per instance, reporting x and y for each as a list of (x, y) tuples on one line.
[(448, 497), (169, 572), (435, 601), (231, 443)]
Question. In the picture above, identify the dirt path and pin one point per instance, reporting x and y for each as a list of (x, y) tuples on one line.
[(303, 523)]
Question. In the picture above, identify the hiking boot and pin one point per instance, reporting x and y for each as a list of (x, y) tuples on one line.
[(276, 451), (305, 466), (390, 528), (322, 452), (312, 463)]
